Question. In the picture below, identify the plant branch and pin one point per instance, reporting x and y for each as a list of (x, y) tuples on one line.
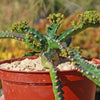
[(8, 34)]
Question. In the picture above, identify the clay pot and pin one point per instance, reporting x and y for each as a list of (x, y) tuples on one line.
[(21, 85)]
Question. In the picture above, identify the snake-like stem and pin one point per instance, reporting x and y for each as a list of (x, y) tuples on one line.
[(84, 20), (90, 71), (8, 34)]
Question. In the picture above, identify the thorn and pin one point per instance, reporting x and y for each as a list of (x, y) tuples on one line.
[(56, 81), (63, 37), (56, 40), (68, 33), (35, 36), (59, 93), (25, 29), (30, 32), (40, 39), (96, 77), (93, 76), (87, 72), (55, 71), (59, 98), (78, 69), (56, 87), (58, 43), (82, 70), (56, 76)]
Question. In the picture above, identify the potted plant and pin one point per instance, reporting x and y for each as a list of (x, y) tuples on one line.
[(59, 85)]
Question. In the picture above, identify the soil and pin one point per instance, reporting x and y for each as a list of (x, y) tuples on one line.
[(35, 65)]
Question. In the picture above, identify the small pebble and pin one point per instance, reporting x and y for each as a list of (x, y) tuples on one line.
[(35, 65)]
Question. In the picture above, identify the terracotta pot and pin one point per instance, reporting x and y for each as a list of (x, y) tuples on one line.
[(21, 85)]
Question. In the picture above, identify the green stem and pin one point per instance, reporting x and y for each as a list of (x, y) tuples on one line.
[(68, 33), (90, 71), (57, 87), (17, 36)]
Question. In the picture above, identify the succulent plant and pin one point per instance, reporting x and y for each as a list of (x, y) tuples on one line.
[(51, 46)]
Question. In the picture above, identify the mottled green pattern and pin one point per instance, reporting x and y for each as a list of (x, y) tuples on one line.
[(88, 17), (20, 27), (36, 41), (56, 18)]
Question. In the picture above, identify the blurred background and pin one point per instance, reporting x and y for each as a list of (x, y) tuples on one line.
[(35, 12)]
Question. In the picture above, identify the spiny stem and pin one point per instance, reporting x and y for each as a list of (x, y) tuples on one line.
[(17, 36), (68, 33), (90, 71), (57, 87), (36, 41), (84, 20)]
